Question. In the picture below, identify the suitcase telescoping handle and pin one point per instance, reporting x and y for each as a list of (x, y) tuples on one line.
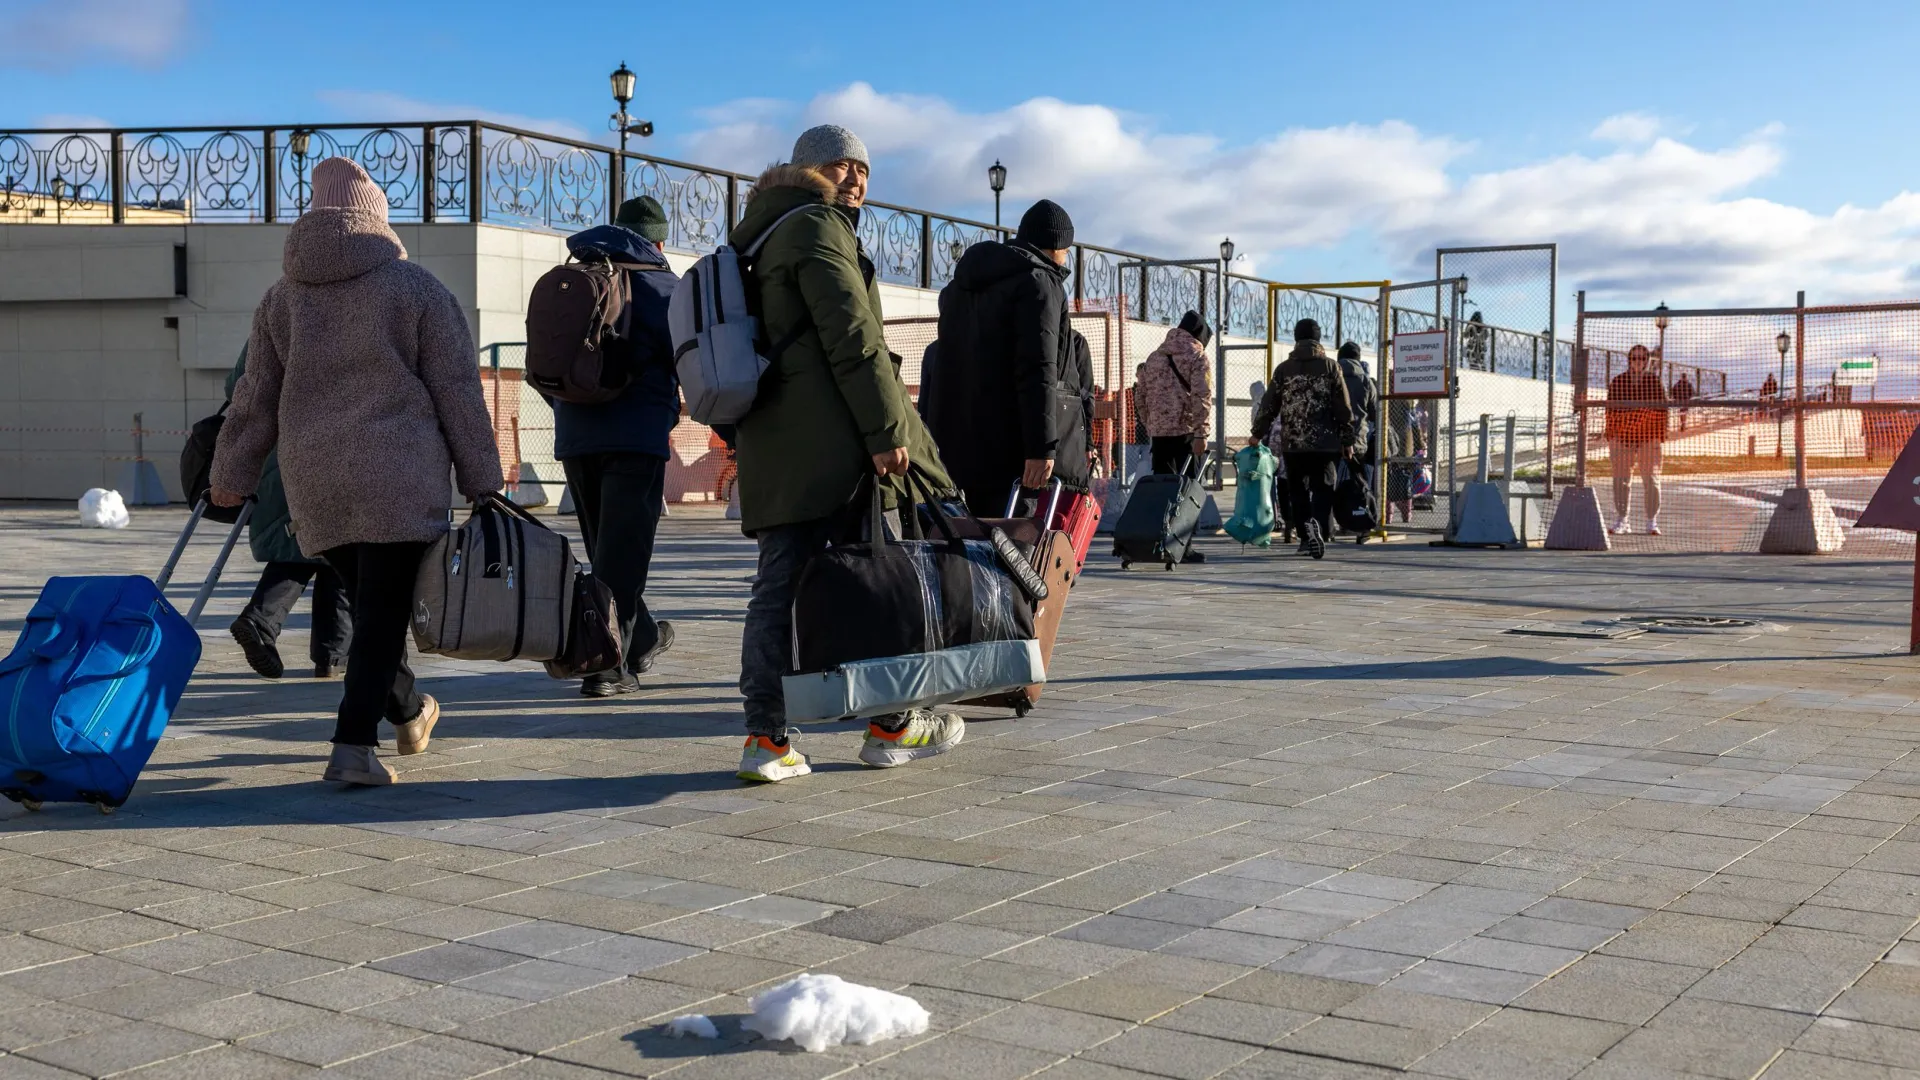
[(219, 564), (1053, 501)]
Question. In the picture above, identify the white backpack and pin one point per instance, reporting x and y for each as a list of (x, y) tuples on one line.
[(716, 337)]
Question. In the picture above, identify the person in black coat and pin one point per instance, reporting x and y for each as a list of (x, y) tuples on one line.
[(615, 453), (1003, 403)]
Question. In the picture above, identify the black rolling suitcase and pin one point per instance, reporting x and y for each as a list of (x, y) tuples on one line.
[(1161, 516)]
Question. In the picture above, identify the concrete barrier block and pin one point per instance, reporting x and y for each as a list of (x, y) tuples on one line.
[(1803, 524), (1577, 524), (1482, 518)]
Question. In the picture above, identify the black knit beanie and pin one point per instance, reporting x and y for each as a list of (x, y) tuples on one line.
[(1350, 351), (1306, 330), (1046, 226), (1193, 324)]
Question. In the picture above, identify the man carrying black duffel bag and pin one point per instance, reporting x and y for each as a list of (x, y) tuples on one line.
[(831, 411)]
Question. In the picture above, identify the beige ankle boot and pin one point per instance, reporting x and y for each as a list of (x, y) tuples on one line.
[(358, 765), (413, 736)]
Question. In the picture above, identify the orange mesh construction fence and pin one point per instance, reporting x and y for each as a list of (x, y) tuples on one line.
[(1698, 423)]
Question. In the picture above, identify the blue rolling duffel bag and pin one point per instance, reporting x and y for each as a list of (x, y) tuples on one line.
[(93, 679)]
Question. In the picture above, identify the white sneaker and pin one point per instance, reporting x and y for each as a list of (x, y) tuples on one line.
[(1653, 526), (1620, 527), (358, 765), (764, 762), (927, 734)]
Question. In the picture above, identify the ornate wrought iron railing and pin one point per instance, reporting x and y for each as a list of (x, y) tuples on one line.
[(478, 171)]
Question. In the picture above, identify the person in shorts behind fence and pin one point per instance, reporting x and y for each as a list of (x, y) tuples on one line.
[(1634, 436), (615, 453), (831, 411), (361, 368), (1309, 398)]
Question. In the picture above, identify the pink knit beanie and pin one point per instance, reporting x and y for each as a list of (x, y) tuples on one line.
[(339, 181)]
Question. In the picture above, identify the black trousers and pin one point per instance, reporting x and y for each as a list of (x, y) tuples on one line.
[(1171, 453), (379, 580), (281, 584), (1310, 482), (617, 499)]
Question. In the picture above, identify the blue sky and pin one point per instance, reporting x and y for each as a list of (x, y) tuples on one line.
[(1332, 139)]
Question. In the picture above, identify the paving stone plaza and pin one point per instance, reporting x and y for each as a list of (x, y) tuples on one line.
[(1272, 819)]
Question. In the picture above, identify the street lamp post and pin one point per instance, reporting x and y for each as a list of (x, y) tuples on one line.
[(1660, 323), (1221, 296), (59, 195), (622, 81), (299, 142), (1782, 344), (997, 180)]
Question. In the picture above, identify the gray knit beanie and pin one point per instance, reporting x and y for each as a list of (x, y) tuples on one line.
[(827, 144)]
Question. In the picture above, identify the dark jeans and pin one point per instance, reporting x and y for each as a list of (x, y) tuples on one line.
[(281, 584), (1171, 453), (766, 643), (617, 498), (379, 580), (1310, 483)]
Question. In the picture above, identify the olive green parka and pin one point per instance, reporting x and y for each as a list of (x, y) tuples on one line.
[(832, 397)]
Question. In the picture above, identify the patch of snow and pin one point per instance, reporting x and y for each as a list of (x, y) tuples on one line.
[(692, 1026), (818, 1011), (103, 509)]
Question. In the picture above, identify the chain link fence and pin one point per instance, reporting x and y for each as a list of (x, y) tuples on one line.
[(1703, 423)]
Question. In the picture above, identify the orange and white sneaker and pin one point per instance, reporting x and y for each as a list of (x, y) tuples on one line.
[(926, 735), (764, 761), (1653, 526)]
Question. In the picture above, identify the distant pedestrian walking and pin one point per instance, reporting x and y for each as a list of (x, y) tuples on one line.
[(831, 412), (1006, 405), (285, 577), (361, 369), (1319, 427), (1173, 396), (1683, 393), (1634, 437), (615, 453)]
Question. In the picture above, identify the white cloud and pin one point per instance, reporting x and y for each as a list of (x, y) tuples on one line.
[(382, 107), (58, 34), (1653, 218), (1628, 128)]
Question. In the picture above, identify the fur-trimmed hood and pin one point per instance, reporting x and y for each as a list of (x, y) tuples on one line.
[(803, 177)]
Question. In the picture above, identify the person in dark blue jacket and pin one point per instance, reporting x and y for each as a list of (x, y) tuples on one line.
[(615, 453)]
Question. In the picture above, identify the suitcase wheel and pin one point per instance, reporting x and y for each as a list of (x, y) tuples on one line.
[(1169, 566), (1125, 563), (1022, 709), (103, 808), (32, 804)]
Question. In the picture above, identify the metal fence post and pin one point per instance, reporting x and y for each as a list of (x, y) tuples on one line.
[(117, 175), (1381, 414), (1453, 406), (1579, 392), (926, 251), (476, 187), (1220, 374), (429, 193), (1800, 390), (269, 178), (1079, 276), (616, 183), (1553, 353)]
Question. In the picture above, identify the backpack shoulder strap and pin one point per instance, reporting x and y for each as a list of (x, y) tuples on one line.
[(761, 241), (1186, 385)]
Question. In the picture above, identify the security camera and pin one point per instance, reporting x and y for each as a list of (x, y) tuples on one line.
[(644, 128)]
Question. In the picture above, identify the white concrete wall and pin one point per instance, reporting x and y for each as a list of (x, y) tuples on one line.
[(91, 332)]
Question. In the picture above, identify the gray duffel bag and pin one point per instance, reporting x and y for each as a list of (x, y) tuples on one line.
[(498, 587)]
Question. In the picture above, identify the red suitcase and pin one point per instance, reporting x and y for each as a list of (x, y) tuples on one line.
[(1078, 516)]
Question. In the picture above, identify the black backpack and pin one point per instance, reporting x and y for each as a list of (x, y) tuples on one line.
[(577, 321), (196, 467)]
